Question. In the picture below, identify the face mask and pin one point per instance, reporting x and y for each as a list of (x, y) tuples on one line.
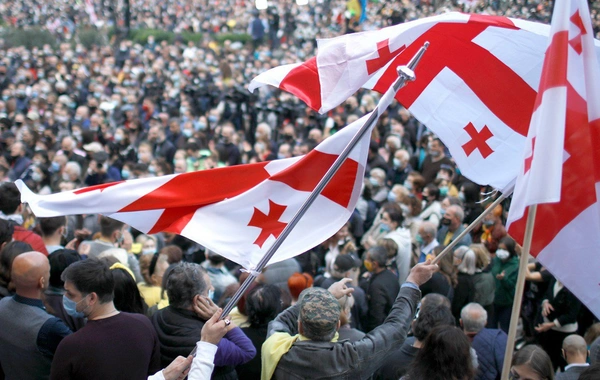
[(397, 163), (148, 251), (118, 138), (384, 227), (443, 191), (374, 182), (36, 177), (71, 307), (461, 196), (368, 265), (187, 133), (125, 174), (442, 212), (54, 167), (419, 239), (391, 197), (488, 223), (200, 126), (211, 294), (502, 254), (65, 177), (212, 119), (434, 153), (408, 185), (446, 221)]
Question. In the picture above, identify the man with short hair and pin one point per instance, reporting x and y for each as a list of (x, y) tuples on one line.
[(29, 335), (316, 354), (111, 236), (381, 289), (11, 209), (400, 168), (398, 362), (220, 278), (427, 233), (489, 344), (19, 161), (189, 308), (575, 352), (53, 229), (452, 227), (112, 345), (434, 160)]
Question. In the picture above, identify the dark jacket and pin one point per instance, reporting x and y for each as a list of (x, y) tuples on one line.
[(489, 345), (381, 292), (464, 293), (398, 362), (251, 370), (344, 360), (572, 373), (178, 331), (566, 305)]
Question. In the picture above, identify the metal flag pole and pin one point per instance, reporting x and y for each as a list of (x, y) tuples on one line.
[(516, 309), (406, 73), (470, 227)]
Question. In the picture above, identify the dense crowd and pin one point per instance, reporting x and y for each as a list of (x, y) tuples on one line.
[(89, 297)]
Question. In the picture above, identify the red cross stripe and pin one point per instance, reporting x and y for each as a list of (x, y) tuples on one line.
[(383, 49), (268, 224), (497, 92), (478, 141), (575, 42), (529, 159)]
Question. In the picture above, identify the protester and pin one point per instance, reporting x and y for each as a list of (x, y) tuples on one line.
[(110, 341), (29, 336), (489, 344), (575, 352), (316, 317), (531, 362)]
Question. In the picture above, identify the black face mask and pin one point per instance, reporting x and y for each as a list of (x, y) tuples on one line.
[(446, 222)]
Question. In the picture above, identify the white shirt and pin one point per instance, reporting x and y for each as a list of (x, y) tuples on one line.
[(202, 365)]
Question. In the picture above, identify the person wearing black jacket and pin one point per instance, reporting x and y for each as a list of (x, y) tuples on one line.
[(559, 320)]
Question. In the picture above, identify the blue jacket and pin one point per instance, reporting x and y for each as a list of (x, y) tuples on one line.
[(489, 345)]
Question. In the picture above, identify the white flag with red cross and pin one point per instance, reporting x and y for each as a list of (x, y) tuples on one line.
[(476, 85), (235, 211), (560, 170)]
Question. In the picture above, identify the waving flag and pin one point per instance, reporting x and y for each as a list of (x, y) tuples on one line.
[(562, 158), (236, 211), (476, 86)]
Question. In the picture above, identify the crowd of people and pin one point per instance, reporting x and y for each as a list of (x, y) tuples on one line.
[(88, 297)]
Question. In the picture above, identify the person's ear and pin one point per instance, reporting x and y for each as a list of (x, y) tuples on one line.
[(461, 323), (339, 324), (93, 299), (41, 283)]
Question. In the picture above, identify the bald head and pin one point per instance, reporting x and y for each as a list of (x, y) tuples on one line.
[(30, 273), (575, 345)]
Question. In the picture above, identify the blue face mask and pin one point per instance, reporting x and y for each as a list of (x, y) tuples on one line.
[(125, 174), (374, 182), (443, 191), (71, 307), (391, 197), (211, 294), (384, 227), (408, 185), (419, 239)]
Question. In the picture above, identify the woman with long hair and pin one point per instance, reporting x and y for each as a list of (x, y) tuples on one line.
[(444, 355), (505, 268)]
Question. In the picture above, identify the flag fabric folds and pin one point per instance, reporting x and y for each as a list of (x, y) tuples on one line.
[(238, 211), (476, 86), (560, 170)]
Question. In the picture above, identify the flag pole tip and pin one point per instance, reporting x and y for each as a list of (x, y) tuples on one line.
[(426, 45)]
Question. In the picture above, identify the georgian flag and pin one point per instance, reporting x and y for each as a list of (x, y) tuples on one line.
[(236, 211), (476, 86), (560, 167)]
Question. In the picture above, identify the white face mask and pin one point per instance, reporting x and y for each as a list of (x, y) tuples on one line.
[(502, 254)]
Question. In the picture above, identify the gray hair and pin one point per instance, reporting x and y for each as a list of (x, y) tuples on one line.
[(429, 228), (458, 212), (75, 167), (468, 264), (185, 281), (474, 317)]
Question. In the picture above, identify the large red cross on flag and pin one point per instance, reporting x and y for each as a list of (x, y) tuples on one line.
[(479, 70), (560, 170), (236, 211)]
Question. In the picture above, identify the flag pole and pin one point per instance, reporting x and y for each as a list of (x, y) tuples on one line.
[(470, 227), (406, 74), (516, 310)]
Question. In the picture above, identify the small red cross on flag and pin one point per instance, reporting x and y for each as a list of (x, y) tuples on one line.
[(385, 55), (269, 224), (478, 141)]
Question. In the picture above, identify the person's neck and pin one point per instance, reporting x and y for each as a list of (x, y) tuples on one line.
[(417, 344), (378, 270), (439, 157), (106, 239), (577, 359), (51, 240), (103, 311), (30, 293)]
